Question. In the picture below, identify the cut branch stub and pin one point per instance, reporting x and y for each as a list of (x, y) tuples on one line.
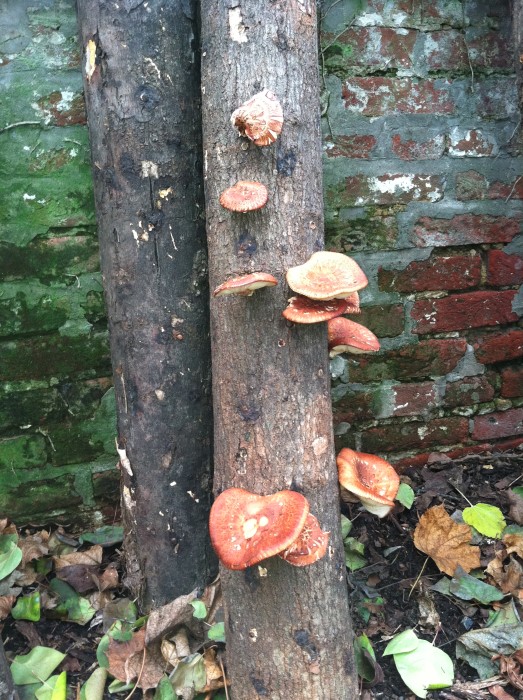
[(373, 480), (245, 285), (327, 276), (246, 528), (244, 196), (260, 118), (347, 336)]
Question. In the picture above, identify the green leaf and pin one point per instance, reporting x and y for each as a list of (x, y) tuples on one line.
[(513, 530), (93, 689), (442, 586), (105, 536), (425, 668), (10, 555), (487, 520), (117, 686), (200, 611), (518, 490), (190, 673), (346, 526), (407, 641), (354, 558), (467, 587), (477, 647), (164, 690), (27, 607), (53, 689), (103, 646), (70, 605), (405, 495), (217, 632), (365, 658), (35, 666)]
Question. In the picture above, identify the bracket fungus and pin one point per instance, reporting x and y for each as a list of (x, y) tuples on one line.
[(304, 310), (245, 285), (327, 276), (260, 119), (347, 336), (244, 196), (310, 546), (373, 480)]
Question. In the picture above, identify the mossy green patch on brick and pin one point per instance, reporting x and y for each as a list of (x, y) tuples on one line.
[(353, 231), (21, 453), (28, 502)]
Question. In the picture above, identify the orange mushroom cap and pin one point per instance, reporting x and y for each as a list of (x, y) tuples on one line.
[(310, 545), (373, 480), (347, 336), (327, 276), (245, 285), (304, 310), (244, 196), (246, 528), (353, 303), (260, 118)]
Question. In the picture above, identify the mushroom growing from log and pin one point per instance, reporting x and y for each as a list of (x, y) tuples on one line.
[(327, 276), (373, 480), (245, 285), (260, 118), (244, 196), (304, 310), (310, 546), (347, 336)]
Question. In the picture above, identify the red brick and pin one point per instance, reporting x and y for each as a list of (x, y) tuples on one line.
[(471, 185), (377, 47), (470, 390), (384, 321), (379, 96), (413, 399), (461, 311), (446, 50), (490, 49), (410, 149), (504, 269), (465, 229), (419, 460), (500, 347), (429, 358), (438, 272), (511, 382), (506, 190), (350, 146), (354, 406), (471, 144), (394, 189), (498, 425), (415, 435), (496, 98)]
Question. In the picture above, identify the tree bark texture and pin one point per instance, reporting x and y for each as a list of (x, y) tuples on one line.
[(288, 629), (7, 688), (517, 20), (141, 79)]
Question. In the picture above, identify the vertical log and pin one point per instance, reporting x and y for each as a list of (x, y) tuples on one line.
[(288, 629), (7, 688), (517, 24), (141, 78)]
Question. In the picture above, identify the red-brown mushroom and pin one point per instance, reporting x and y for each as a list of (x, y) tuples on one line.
[(373, 480), (327, 276), (310, 545), (304, 310), (244, 196), (347, 336), (245, 285), (246, 528), (260, 118)]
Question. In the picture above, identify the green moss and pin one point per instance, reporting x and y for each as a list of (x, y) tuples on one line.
[(19, 453)]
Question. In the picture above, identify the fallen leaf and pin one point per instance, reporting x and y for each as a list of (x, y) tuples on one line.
[(515, 500), (133, 660), (514, 544), (446, 542), (82, 577), (34, 546), (89, 557), (510, 668), (486, 519), (498, 692), (6, 603)]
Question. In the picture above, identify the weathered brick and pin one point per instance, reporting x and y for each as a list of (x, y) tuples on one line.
[(504, 269), (470, 390), (471, 144), (413, 398), (490, 48), (415, 435), (499, 347), (426, 359), (59, 109), (24, 452), (438, 272), (356, 146), (511, 382), (464, 229), (50, 258), (471, 185), (506, 190), (375, 48), (411, 149), (406, 13), (498, 425), (496, 98), (419, 460), (394, 189), (461, 311), (354, 406), (369, 231), (379, 96), (385, 321), (445, 50)]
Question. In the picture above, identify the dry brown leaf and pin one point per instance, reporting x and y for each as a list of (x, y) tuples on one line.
[(445, 541), (81, 577), (163, 620), (90, 557), (7, 528), (132, 660), (33, 546), (109, 578), (213, 671), (516, 507), (508, 575), (6, 603), (498, 692), (169, 653), (514, 544)]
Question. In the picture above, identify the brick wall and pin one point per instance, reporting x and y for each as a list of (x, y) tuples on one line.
[(423, 187), (57, 427)]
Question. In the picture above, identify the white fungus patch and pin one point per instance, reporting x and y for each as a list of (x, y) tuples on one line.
[(237, 30)]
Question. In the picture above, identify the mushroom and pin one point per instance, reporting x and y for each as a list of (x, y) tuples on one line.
[(353, 304), (373, 480), (327, 276), (246, 528), (347, 336), (245, 285), (310, 546), (304, 310), (260, 118), (245, 195)]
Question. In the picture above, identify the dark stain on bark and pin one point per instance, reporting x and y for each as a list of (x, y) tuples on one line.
[(303, 640), (251, 577), (286, 162), (248, 412), (246, 244), (258, 686)]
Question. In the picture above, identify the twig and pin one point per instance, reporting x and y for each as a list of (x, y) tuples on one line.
[(224, 679), (461, 494), (513, 188), (418, 577), (15, 124), (139, 675), (467, 50)]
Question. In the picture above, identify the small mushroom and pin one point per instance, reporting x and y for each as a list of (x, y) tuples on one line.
[(245, 285), (310, 545), (327, 276), (244, 196), (347, 336), (304, 310), (246, 528), (260, 118), (373, 480)]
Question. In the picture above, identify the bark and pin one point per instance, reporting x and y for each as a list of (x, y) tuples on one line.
[(143, 114), (517, 19), (288, 629), (7, 688)]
